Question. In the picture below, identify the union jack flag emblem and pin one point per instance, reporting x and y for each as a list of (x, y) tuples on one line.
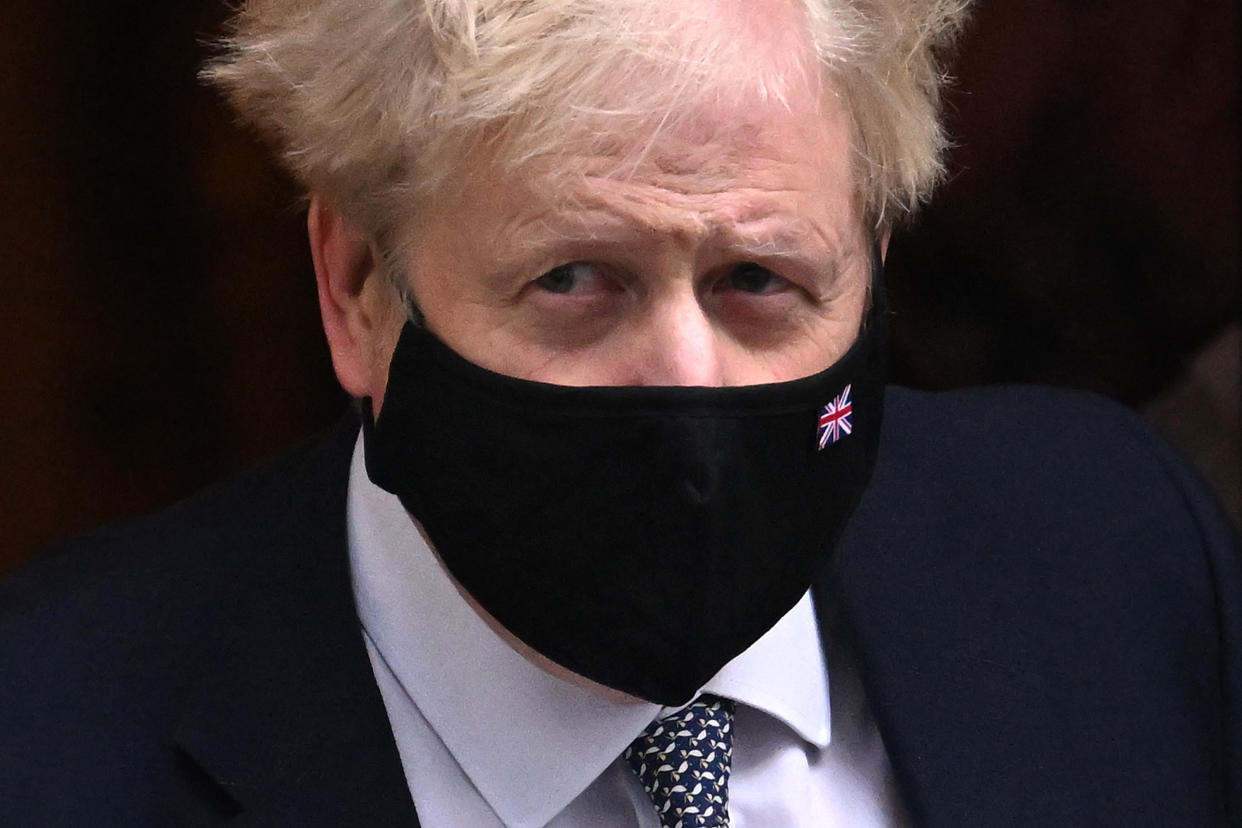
[(834, 419)]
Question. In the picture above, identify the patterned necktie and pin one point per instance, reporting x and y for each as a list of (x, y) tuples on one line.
[(683, 763)]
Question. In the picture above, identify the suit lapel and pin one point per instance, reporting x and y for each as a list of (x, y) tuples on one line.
[(953, 678), (283, 713)]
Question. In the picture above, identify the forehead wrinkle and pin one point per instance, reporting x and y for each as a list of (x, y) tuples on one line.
[(533, 232), (789, 238), (623, 213), (604, 208), (760, 235), (752, 218)]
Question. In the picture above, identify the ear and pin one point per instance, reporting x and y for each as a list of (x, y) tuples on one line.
[(355, 303)]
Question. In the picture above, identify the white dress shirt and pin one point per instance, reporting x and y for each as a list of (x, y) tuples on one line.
[(490, 740)]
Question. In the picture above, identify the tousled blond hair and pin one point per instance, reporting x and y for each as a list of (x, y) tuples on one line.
[(377, 104)]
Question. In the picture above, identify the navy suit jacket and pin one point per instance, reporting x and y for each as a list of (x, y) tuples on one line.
[(1046, 613)]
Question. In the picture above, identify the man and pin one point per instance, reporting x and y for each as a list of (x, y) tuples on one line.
[(615, 536)]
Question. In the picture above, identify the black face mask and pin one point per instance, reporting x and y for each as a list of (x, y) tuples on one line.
[(639, 536)]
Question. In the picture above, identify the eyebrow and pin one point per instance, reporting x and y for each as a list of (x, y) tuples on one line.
[(786, 240)]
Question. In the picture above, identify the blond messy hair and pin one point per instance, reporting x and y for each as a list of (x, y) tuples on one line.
[(378, 104)]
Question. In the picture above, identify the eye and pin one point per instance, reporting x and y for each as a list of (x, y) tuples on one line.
[(568, 278), (749, 277)]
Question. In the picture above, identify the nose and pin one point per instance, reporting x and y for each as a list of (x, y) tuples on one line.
[(676, 344)]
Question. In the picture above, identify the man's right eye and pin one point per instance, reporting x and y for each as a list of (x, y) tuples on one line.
[(565, 278)]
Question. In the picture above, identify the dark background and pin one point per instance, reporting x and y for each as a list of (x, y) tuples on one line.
[(160, 328)]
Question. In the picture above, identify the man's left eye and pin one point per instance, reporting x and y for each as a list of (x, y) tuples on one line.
[(752, 278)]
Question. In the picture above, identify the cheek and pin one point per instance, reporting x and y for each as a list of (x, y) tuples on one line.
[(813, 353), (806, 344)]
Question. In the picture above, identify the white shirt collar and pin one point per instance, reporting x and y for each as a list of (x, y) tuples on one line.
[(507, 721)]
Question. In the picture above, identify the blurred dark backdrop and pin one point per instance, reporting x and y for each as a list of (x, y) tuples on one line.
[(161, 330)]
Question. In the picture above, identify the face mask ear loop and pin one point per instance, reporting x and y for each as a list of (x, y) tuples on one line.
[(877, 291), (413, 312), (392, 263)]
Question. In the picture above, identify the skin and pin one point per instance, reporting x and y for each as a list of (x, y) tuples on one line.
[(731, 254)]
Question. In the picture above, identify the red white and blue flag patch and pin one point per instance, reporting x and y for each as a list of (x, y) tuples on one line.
[(834, 419)]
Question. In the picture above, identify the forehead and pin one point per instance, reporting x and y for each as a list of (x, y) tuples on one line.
[(720, 160), (765, 179)]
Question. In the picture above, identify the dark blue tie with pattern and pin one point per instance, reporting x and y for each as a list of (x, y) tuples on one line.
[(683, 763)]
